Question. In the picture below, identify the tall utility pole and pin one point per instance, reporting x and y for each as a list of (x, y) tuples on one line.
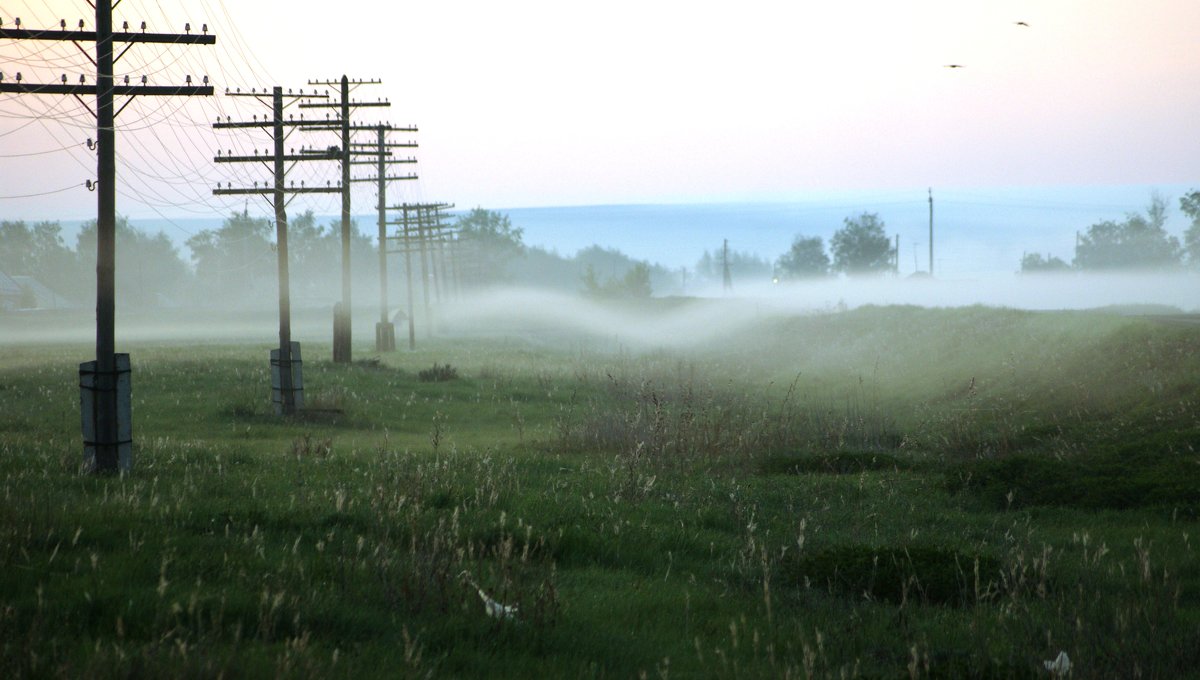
[(385, 331), (896, 257), (105, 402), (342, 317), (931, 231), (290, 382)]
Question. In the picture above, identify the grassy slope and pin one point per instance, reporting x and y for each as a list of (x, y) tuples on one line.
[(647, 512)]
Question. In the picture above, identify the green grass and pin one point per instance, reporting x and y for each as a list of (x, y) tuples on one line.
[(890, 492)]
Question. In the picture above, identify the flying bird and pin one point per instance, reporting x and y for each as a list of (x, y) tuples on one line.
[(1021, 23), (954, 66)]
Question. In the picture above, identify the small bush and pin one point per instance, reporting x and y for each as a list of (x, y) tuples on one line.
[(925, 574), (439, 373)]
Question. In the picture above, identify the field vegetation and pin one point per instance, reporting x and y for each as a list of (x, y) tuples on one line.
[(892, 492)]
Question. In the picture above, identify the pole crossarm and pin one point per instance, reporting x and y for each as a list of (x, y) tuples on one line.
[(338, 105), (260, 95), (288, 158), (391, 161), (117, 90), (336, 126), (389, 145), (90, 36), (245, 124), (349, 81), (271, 190), (388, 179)]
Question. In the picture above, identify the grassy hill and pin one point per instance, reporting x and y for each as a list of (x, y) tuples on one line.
[(885, 492)]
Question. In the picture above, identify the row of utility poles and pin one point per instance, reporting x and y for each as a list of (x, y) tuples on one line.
[(286, 363), (105, 383)]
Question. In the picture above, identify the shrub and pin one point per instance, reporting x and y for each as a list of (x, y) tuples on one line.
[(438, 373)]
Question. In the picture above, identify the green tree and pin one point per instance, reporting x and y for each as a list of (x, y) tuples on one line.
[(490, 242), (1140, 241), (149, 269), (742, 265), (806, 259), (1190, 205), (635, 283), (1034, 263), (861, 246), (235, 259), (16, 246), (39, 251)]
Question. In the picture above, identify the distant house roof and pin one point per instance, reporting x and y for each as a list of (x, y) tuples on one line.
[(9, 287), (46, 298)]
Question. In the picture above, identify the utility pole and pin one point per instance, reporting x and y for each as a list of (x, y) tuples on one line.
[(105, 400), (896, 256), (342, 314), (385, 331), (931, 232), (727, 279), (415, 218), (286, 375)]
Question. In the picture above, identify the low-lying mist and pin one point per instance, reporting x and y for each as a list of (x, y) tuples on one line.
[(680, 321)]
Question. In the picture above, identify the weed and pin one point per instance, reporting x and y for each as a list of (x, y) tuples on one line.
[(438, 373)]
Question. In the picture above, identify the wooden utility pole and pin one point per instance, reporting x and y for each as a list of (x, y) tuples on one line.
[(105, 383), (931, 231), (342, 316), (417, 238), (726, 277), (385, 331), (289, 375)]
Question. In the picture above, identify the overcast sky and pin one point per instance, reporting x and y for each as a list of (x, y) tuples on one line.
[(530, 103)]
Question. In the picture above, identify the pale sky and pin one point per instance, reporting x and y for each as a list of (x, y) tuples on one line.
[(531, 103)]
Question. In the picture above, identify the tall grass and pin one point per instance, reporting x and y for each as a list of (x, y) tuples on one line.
[(820, 502)]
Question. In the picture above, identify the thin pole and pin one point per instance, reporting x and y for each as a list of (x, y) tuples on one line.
[(383, 299), (931, 231), (287, 396), (726, 278), (106, 247), (421, 212), (408, 274), (345, 221)]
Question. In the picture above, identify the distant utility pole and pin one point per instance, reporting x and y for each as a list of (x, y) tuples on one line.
[(725, 276), (416, 238), (385, 331), (286, 377), (931, 232), (105, 400), (341, 319), (896, 256)]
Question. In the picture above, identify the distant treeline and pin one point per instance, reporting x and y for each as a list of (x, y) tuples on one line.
[(235, 264), (1140, 241)]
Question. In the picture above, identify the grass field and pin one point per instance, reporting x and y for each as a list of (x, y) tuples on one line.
[(886, 492)]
